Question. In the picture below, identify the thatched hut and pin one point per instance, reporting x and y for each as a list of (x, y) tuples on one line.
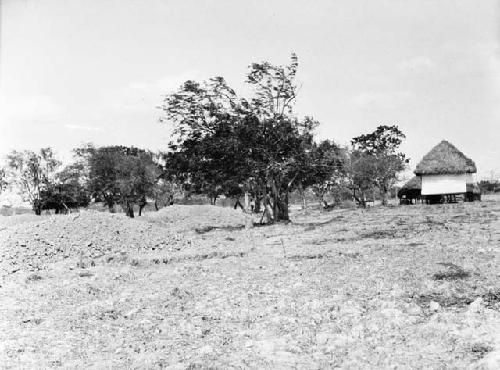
[(445, 172), (410, 191)]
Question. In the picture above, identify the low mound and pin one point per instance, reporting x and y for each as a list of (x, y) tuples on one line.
[(30, 244), (197, 217), (6, 221)]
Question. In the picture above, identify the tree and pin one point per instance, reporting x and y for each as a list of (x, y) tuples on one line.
[(489, 186), (3, 180), (32, 172), (224, 143), (211, 164), (376, 162), (197, 107), (325, 169), (121, 175), (63, 196), (137, 176), (275, 88), (278, 156)]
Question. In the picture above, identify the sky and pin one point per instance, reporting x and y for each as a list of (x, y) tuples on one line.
[(77, 71)]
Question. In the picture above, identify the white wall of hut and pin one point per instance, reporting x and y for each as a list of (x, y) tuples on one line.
[(445, 184)]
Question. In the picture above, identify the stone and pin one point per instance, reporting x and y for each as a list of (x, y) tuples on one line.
[(477, 306), (414, 310), (206, 350), (434, 306)]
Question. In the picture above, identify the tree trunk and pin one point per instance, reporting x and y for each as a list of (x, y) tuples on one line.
[(37, 207), (258, 199), (142, 204), (275, 199), (302, 195), (360, 201), (385, 196), (238, 204), (247, 202), (156, 205), (285, 207), (268, 210), (130, 209), (321, 199), (385, 200), (111, 205), (280, 203)]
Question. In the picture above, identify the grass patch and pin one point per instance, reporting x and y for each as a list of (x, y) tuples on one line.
[(444, 301), (85, 274), (33, 277), (381, 234), (453, 272), (491, 299), (319, 241), (415, 244), (480, 349), (299, 257), (207, 229)]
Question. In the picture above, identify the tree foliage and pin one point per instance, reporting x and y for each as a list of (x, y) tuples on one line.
[(225, 144), (3, 180), (376, 162), (32, 173), (326, 169), (121, 175), (61, 197)]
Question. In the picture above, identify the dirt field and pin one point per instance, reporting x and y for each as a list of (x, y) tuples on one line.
[(190, 288)]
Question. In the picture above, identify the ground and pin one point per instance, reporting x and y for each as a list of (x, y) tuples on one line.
[(190, 287)]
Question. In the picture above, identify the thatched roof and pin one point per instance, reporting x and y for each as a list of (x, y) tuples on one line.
[(415, 183), (444, 158)]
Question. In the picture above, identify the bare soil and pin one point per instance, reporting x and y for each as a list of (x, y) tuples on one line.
[(190, 287)]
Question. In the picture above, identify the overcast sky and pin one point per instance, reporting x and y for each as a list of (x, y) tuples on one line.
[(74, 71)]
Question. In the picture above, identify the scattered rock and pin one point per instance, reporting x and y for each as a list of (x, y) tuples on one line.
[(85, 274), (414, 310), (490, 362), (33, 277), (434, 306), (206, 350), (477, 306)]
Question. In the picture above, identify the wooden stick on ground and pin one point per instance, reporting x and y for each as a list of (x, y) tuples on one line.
[(283, 245)]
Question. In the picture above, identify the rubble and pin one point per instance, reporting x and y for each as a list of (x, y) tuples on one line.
[(153, 292)]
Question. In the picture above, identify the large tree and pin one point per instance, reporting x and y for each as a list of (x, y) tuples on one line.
[(224, 143), (376, 161)]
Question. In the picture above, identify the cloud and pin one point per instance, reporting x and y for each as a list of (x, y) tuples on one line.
[(82, 128), (417, 64), (380, 99), (165, 84), (142, 95), (29, 108)]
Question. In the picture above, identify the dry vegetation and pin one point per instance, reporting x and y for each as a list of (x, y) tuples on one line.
[(190, 287)]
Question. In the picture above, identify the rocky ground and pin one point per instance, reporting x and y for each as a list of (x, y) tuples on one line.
[(190, 287)]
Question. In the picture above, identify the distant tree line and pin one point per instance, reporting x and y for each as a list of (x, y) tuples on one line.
[(222, 144), (489, 186)]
